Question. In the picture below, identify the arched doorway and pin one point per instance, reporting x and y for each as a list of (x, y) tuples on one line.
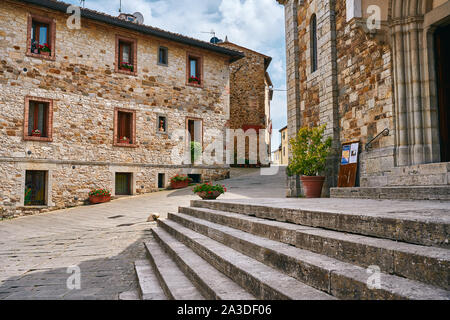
[(442, 56)]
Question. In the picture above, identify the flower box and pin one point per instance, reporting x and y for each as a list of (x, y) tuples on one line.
[(179, 184), (99, 199), (209, 195), (124, 140), (45, 53), (37, 134)]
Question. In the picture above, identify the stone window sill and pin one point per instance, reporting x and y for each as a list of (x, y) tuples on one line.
[(41, 56), (195, 85), (41, 139), (127, 72), (125, 145)]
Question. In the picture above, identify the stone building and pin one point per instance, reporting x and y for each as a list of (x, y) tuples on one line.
[(363, 66), (251, 91), (102, 106), (284, 151)]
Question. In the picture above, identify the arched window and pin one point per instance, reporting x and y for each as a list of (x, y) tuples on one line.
[(313, 44)]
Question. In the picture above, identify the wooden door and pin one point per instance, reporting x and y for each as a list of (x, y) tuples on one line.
[(442, 41), (123, 184)]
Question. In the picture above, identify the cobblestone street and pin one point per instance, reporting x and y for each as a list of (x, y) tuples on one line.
[(102, 240)]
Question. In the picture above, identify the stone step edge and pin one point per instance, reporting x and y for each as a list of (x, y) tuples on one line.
[(435, 236), (394, 260), (154, 252), (355, 276), (143, 269), (265, 289), (207, 287)]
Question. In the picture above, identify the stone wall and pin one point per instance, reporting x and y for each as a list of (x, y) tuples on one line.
[(86, 90), (248, 92), (366, 103)]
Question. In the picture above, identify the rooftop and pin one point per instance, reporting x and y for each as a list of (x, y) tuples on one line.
[(115, 21)]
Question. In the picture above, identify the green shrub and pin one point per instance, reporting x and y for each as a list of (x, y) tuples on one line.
[(196, 151), (208, 187), (309, 152)]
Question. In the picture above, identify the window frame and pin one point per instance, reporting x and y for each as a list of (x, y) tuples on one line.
[(313, 44), (133, 54), (46, 189), (49, 123), (166, 124), (116, 142), (50, 36), (199, 58), (167, 56)]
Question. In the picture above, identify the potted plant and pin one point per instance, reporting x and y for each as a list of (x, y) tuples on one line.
[(124, 140), (194, 80), (36, 133), (99, 196), (208, 191), (34, 47), (128, 66), (309, 154), (45, 49), (180, 181)]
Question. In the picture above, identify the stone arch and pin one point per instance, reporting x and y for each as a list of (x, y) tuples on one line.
[(417, 133)]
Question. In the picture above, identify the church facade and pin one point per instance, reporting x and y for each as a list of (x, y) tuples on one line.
[(377, 73)]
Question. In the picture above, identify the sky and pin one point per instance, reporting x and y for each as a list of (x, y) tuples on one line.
[(255, 24)]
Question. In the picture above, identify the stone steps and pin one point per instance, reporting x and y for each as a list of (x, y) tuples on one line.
[(429, 227), (148, 284), (259, 279), (211, 283), (394, 193), (340, 279), (175, 284), (426, 264)]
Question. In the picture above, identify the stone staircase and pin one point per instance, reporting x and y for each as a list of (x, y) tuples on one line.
[(297, 249)]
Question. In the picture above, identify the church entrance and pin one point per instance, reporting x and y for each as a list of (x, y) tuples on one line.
[(442, 49)]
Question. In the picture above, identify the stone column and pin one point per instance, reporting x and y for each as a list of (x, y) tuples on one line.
[(292, 82)]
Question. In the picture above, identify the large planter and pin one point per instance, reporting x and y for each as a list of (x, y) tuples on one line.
[(209, 196), (179, 184), (312, 186), (99, 199), (45, 53)]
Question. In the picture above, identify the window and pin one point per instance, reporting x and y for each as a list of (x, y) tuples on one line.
[(38, 119), (163, 56), (126, 55), (35, 188), (194, 70), (125, 128), (162, 124), (41, 37), (313, 44), (161, 180)]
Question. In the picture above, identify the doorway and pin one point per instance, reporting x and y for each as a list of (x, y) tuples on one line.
[(123, 184), (442, 49), (35, 188)]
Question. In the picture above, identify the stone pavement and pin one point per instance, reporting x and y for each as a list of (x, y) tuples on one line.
[(102, 240)]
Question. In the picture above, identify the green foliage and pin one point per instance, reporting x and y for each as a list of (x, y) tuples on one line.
[(100, 192), (208, 187), (178, 178), (196, 151), (309, 152)]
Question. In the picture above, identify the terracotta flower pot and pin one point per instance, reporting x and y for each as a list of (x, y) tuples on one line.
[(45, 53), (99, 199), (312, 186), (179, 184), (36, 134), (209, 196)]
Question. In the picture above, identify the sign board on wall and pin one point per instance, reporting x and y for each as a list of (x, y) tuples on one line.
[(349, 165)]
